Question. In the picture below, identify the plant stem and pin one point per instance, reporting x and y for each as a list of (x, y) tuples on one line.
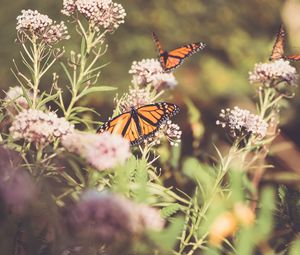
[(36, 71)]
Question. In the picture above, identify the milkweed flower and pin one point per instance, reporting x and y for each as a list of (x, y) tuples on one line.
[(223, 226), (276, 71), (31, 22), (168, 130), (149, 71), (101, 13), (15, 100), (39, 127), (136, 97), (102, 151), (241, 122), (110, 218)]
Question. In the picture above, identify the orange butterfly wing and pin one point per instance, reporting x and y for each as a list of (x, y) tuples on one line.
[(153, 115), (122, 124), (293, 57), (141, 123), (278, 48), (174, 58)]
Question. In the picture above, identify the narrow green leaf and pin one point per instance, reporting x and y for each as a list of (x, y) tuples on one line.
[(95, 89), (66, 72)]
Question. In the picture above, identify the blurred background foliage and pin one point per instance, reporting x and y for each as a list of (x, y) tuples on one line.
[(238, 34)]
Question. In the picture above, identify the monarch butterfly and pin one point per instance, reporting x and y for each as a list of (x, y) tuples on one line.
[(278, 48), (174, 58), (140, 123)]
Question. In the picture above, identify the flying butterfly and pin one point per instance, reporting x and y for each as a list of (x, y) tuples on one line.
[(279, 45), (140, 123), (170, 60)]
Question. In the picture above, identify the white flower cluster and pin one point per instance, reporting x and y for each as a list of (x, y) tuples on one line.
[(135, 98), (33, 23), (279, 70), (109, 217), (241, 122), (39, 127), (149, 71), (168, 130), (102, 151), (15, 100), (102, 13)]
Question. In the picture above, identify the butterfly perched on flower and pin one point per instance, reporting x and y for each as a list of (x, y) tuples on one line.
[(279, 45), (170, 60), (140, 123)]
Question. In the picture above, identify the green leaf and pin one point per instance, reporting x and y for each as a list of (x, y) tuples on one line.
[(167, 238), (46, 98), (294, 250), (169, 210), (140, 180), (123, 176), (67, 72), (265, 218), (95, 89), (200, 173)]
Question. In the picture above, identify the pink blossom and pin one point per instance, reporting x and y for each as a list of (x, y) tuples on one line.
[(102, 151)]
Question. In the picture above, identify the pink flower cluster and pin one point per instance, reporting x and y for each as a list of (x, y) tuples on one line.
[(279, 70), (149, 71), (32, 23), (102, 151), (108, 217), (241, 122), (101, 13), (136, 97), (15, 100), (168, 130), (39, 127)]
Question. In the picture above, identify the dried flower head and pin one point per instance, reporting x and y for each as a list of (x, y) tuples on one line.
[(101, 13), (135, 98), (169, 131), (39, 127), (149, 71), (110, 218), (241, 122), (243, 214), (15, 101), (224, 226), (276, 71), (102, 151), (31, 23)]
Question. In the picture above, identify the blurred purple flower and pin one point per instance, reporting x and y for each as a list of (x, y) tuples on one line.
[(16, 188), (110, 218)]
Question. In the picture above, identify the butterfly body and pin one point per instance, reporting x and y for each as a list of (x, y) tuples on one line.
[(172, 59), (140, 123)]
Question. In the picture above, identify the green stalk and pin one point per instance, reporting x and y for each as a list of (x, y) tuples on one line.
[(36, 72)]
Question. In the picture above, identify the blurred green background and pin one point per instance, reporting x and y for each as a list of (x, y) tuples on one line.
[(238, 33)]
